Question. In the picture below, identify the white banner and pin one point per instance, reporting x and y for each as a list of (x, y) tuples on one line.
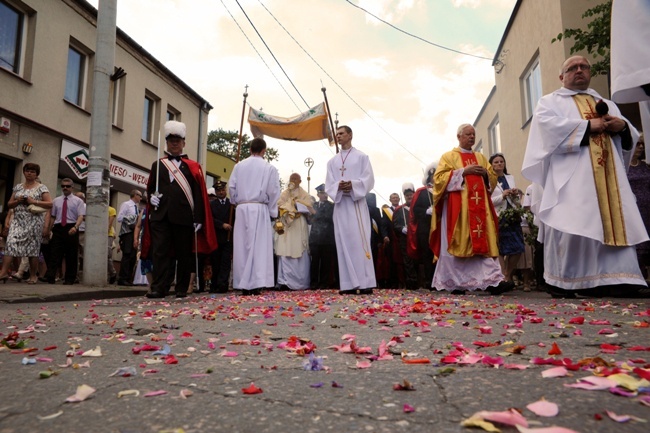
[(76, 157)]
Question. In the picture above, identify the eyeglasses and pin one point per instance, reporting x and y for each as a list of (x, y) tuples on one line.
[(66, 186), (574, 68)]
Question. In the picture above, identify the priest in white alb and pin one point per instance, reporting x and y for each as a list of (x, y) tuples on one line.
[(578, 151), (292, 246), (254, 187), (349, 179)]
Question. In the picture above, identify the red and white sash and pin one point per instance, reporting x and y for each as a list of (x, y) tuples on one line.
[(181, 179)]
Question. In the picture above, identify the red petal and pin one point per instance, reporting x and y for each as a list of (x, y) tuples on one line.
[(555, 350), (252, 389)]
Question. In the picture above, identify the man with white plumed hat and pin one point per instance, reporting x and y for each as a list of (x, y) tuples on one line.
[(179, 224)]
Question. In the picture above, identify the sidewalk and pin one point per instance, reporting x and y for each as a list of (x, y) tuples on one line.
[(13, 292)]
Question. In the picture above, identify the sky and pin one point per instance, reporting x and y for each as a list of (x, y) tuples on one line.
[(402, 97)]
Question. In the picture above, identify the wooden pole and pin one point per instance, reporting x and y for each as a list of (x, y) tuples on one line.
[(241, 124), (329, 116)]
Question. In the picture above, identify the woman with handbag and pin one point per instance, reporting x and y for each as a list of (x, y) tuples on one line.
[(30, 201)]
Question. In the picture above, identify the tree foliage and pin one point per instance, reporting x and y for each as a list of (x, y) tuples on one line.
[(596, 39), (225, 142)]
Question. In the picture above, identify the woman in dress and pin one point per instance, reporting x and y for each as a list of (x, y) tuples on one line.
[(639, 176), (27, 228), (505, 196)]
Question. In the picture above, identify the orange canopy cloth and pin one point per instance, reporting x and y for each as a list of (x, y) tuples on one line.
[(308, 126)]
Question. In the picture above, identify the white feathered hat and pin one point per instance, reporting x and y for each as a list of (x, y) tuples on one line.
[(174, 128), (428, 172), (407, 186)]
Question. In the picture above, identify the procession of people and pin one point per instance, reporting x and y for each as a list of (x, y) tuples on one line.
[(460, 232)]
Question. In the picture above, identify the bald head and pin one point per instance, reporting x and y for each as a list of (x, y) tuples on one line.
[(575, 73)]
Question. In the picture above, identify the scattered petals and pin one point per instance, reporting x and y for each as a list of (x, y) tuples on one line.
[(555, 372), (545, 430), (126, 392), (96, 352), (155, 393)]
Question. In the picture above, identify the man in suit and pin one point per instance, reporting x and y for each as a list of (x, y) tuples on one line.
[(322, 247), (178, 212), (223, 217)]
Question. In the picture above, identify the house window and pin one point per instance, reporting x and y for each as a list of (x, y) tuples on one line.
[(11, 31), (118, 96), (75, 77), (147, 119), (173, 114), (494, 132), (532, 83)]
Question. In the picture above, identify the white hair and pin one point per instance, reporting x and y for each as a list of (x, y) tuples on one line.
[(463, 126)]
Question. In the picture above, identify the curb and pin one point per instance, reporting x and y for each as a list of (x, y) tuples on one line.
[(77, 296)]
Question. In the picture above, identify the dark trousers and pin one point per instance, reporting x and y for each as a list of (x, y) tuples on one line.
[(221, 260), (63, 245), (410, 266), (171, 250), (324, 266), (129, 258), (427, 259)]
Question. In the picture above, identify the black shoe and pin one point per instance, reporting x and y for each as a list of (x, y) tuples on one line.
[(458, 292), (365, 291), (502, 287), (181, 295), (68, 283), (347, 292), (251, 292), (124, 283), (51, 281), (558, 293), (111, 280), (629, 291), (154, 295)]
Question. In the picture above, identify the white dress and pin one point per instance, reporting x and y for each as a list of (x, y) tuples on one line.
[(352, 218), (254, 187)]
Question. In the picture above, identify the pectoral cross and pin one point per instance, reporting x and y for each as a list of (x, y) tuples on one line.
[(342, 170), (476, 197), (478, 230)]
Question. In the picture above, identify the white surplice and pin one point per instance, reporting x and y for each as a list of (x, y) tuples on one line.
[(352, 218), (630, 50), (254, 186), (566, 205)]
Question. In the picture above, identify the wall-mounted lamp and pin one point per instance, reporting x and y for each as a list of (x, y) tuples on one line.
[(27, 148)]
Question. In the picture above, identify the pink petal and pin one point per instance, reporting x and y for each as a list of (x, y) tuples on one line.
[(618, 418), (155, 393), (593, 383), (555, 372), (228, 354), (349, 337), (364, 364), (543, 408), (470, 359), (408, 408), (510, 417), (515, 366)]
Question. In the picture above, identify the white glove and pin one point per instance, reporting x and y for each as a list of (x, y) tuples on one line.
[(405, 230), (155, 200), (430, 210), (197, 227)]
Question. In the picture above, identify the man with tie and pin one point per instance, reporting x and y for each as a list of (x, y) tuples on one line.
[(223, 218), (128, 217), (67, 215), (178, 212)]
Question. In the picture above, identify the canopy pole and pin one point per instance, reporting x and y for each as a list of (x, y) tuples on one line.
[(241, 135), (329, 116), (241, 124)]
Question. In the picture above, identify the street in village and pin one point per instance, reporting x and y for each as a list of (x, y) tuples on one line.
[(315, 361)]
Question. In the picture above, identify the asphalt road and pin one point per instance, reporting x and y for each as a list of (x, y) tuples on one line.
[(482, 354)]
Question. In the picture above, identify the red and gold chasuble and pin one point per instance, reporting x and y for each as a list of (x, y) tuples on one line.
[(471, 220)]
